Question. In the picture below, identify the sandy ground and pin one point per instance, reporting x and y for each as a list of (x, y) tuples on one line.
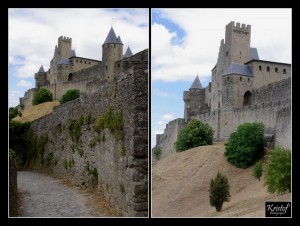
[(180, 186), (35, 112)]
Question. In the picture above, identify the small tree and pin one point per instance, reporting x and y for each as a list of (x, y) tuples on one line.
[(42, 96), (195, 134), (245, 145), (278, 171), (71, 94), (156, 152), (219, 191), (257, 170)]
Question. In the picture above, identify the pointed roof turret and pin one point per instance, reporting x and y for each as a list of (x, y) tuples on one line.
[(128, 52), (41, 69), (196, 84), (112, 38)]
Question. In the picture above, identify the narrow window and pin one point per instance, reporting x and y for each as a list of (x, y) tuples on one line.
[(226, 53), (89, 62), (76, 61), (248, 79), (228, 78), (259, 67), (276, 69), (80, 61), (241, 79), (284, 71), (268, 69)]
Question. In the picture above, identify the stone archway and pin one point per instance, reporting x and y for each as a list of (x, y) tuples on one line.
[(70, 76), (247, 98)]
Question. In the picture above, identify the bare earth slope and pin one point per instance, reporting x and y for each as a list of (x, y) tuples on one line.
[(35, 112), (180, 186)]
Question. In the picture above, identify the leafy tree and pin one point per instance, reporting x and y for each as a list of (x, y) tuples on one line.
[(257, 170), (156, 152), (219, 191), (42, 96), (17, 139), (71, 94), (246, 144), (278, 171), (13, 112), (195, 134)]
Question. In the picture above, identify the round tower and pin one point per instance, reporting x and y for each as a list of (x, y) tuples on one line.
[(112, 51)]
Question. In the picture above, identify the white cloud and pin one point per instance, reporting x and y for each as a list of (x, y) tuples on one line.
[(24, 83), (204, 29), (33, 34)]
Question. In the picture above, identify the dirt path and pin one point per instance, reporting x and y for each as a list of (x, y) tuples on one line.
[(180, 186), (44, 196)]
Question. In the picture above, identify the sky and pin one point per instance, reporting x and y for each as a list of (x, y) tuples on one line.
[(33, 34), (185, 42)]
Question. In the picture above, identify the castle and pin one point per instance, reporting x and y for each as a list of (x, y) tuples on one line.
[(243, 88), (68, 71)]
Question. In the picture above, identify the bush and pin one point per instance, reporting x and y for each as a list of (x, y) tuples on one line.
[(17, 140), (42, 96), (219, 191), (195, 134), (14, 112), (71, 94), (245, 145), (278, 171), (257, 170), (156, 152)]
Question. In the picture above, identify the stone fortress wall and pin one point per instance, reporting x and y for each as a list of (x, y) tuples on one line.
[(121, 165)]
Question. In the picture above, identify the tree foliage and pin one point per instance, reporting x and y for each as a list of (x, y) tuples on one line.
[(219, 191), (195, 134), (257, 170), (71, 94), (278, 171), (42, 96), (13, 112), (245, 145), (156, 152), (17, 139)]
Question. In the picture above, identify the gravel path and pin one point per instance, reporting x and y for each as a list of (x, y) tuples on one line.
[(44, 196)]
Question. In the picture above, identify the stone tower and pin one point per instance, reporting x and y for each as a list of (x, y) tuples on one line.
[(40, 78), (194, 100), (112, 51), (235, 50), (64, 47)]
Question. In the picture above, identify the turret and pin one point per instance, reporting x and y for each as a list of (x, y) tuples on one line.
[(40, 78), (128, 53), (112, 51)]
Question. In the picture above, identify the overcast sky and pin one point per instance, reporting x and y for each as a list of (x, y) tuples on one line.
[(33, 34), (185, 42)]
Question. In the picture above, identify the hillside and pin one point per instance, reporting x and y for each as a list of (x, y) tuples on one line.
[(35, 112), (180, 186)]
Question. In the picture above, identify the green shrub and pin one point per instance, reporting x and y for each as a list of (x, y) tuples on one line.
[(195, 134), (74, 127), (278, 171), (18, 140), (245, 145), (14, 112), (219, 191), (156, 152), (257, 170), (71, 94), (42, 96)]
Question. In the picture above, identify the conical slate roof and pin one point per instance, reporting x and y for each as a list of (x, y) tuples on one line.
[(41, 69), (196, 84), (128, 52), (112, 38)]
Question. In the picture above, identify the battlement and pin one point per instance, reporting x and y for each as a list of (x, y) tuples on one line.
[(64, 39), (238, 28)]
